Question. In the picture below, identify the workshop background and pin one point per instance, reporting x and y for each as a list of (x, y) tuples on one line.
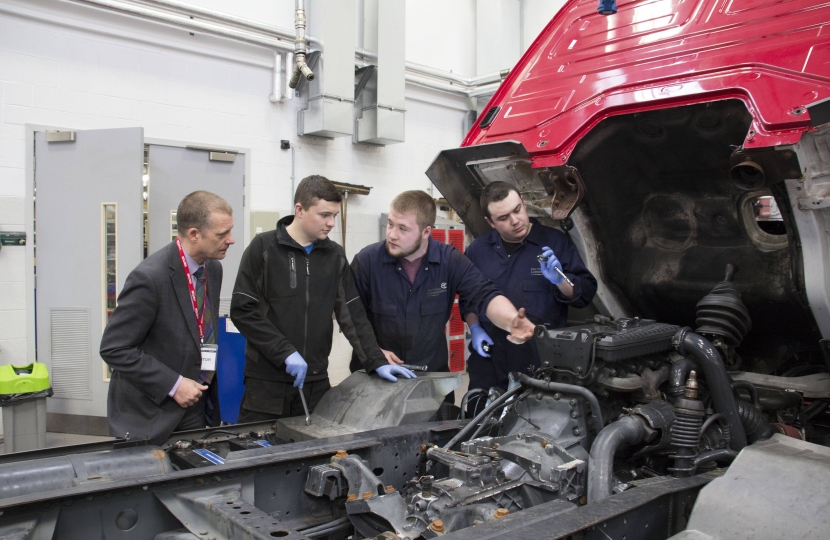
[(70, 65)]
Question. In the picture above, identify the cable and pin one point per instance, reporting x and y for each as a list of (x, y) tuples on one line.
[(487, 410), (324, 526), (528, 420), (220, 431), (715, 455), (486, 420), (709, 421), (470, 393), (324, 532)]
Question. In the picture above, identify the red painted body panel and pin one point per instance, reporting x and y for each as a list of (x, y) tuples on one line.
[(774, 55)]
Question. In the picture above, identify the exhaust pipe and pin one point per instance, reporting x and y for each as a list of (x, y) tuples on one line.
[(300, 67)]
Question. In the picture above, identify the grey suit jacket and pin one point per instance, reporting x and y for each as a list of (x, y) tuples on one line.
[(151, 339)]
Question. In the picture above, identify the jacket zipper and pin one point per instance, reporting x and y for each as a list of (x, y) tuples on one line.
[(293, 278), (305, 331)]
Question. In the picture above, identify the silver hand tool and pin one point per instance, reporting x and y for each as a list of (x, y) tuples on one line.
[(542, 258), (305, 408), (410, 367)]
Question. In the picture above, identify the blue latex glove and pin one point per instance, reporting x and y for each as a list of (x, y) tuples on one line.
[(389, 371), (549, 266), (479, 338), (296, 366)]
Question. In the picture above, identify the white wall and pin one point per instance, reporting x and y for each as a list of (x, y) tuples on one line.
[(442, 34), (498, 39), (278, 13)]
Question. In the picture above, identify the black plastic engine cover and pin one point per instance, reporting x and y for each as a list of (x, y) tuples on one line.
[(605, 339)]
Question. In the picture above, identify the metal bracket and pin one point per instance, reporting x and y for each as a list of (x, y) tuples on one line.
[(566, 189), (59, 136), (325, 481), (222, 156), (365, 74), (362, 481), (211, 515)]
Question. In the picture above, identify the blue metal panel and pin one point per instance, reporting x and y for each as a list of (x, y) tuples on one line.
[(230, 369)]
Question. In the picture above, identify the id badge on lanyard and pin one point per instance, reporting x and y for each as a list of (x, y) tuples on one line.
[(209, 353)]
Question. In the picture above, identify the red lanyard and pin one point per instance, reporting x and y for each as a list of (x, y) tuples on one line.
[(200, 320)]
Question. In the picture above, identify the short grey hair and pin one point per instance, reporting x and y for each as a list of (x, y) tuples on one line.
[(195, 210)]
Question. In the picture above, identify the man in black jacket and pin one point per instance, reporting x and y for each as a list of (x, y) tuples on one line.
[(290, 281)]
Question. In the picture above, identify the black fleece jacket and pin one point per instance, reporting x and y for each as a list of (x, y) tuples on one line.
[(283, 302)]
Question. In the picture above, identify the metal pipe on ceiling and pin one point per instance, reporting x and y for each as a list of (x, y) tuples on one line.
[(190, 10), (184, 21), (185, 16)]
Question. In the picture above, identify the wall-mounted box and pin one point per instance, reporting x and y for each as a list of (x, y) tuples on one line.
[(263, 221), (327, 117), (12, 238)]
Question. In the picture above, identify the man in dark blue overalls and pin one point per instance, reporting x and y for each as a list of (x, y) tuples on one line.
[(408, 284), (508, 255)]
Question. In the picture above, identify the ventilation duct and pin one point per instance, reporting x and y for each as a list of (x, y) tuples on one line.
[(379, 93), (328, 99)]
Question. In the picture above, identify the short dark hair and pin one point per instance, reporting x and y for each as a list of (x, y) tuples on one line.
[(419, 203), (313, 188), (495, 192), (195, 209)]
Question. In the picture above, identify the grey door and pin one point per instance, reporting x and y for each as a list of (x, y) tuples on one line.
[(88, 218), (173, 173)]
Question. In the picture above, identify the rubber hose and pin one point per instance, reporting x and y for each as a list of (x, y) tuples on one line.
[(567, 389), (720, 454), (481, 425), (775, 400), (755, 425), (624, 432), (815, 409), (749, 387), (487, 410), (687, 342)]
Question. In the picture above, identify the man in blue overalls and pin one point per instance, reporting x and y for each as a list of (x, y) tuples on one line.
[(508, 256), (408, 284)]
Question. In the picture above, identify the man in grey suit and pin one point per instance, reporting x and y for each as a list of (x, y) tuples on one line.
[(160, 337)]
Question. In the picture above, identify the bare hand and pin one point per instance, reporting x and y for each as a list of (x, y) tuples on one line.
[(521, 329), (391, 357), (188, 393)]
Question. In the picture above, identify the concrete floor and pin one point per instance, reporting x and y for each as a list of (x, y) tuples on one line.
[(65, 439)]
